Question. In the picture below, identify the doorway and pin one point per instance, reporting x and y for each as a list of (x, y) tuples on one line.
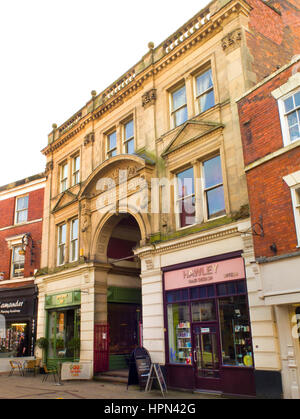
[(206, 356)]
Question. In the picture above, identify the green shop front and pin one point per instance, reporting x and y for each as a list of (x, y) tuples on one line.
[(63, 327)]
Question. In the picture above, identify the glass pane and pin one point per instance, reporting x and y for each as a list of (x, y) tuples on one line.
[(294, 133), (204, 82), (76, 164), (203, 311), (112, 141), (241, 287), (64, 172), (235, 332), (74, 229), (187, 212), (185, 183), (180, 344), (289, 104), (22, 203), (181, 116), (297, 99), (179, 98), (207, 101), (130, 147), (129, 131), (22, 216), (62, 233), (292, 119), (215, 202), (212, 172)]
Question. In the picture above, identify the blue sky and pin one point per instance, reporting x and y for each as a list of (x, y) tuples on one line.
[(53, 53)]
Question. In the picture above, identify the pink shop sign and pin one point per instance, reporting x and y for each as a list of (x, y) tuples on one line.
[(227, 270)]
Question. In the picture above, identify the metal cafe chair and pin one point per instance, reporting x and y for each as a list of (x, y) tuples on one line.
[(29, 366), (50, 371), (15, 365)]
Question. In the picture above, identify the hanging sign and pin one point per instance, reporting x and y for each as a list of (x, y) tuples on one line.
[(156, 374)]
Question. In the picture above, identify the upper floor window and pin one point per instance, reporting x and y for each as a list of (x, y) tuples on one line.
[(179, 113), (64, 177), (129, 137), (76, 170), (21, 209), (62, 236), (112, 144), (186, 197), (205, 91), (17, 264), (292, 116), (74, 240), (207, 191), (213, 187)]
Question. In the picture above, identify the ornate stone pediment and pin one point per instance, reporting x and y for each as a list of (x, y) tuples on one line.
[(65, 199), (191, 131)]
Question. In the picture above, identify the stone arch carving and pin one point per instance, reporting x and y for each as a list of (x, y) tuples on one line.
[(105, 228)]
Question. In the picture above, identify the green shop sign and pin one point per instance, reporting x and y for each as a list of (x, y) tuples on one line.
[(64, 299)]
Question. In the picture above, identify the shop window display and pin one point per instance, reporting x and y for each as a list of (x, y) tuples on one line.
[(64, 329), (180, 343), (15, 344), (235, 331)]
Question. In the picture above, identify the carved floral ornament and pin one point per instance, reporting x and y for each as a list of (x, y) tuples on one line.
[(149, 98)]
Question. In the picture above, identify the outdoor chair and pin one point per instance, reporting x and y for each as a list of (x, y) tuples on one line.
[(29, 366), (15, 365), (50, 371)]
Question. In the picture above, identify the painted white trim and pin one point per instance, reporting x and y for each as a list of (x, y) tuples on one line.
[(21, 224), (23, 189)]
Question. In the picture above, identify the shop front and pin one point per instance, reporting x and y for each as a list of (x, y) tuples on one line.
[(63, 312), (18, 308), (209, 343)]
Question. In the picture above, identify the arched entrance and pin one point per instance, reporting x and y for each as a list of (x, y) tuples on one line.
[(124, 310)]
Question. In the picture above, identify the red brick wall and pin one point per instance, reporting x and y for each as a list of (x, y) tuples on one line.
[(269, 195), (273, 38), (7, 216)]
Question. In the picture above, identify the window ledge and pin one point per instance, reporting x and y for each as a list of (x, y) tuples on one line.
[(273, 155)]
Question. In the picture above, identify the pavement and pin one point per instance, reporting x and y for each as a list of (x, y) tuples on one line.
[(32, 387)]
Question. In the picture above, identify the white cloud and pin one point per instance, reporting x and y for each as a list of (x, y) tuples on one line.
[(53, 53)]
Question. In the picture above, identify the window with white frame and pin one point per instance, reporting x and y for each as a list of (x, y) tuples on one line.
[(185, 201), (63, 177), (213, 187), (61, 247), (21, 215), (205, 91), (291, 109), (129, 137), (179, 112), (74, 240), (112, 144), (207, 191), (296, 205), (76, 170), (17, 263)]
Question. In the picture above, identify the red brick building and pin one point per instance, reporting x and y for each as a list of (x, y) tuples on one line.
[(21, 215), (270, 127)]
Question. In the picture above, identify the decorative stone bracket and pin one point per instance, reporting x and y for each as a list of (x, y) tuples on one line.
[(232, 41), (149, 98)]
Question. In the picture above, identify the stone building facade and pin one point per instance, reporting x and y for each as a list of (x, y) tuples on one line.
[(146, 221)]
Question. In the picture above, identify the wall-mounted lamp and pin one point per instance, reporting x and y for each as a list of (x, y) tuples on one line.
[(27, 241), (273, 247)]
